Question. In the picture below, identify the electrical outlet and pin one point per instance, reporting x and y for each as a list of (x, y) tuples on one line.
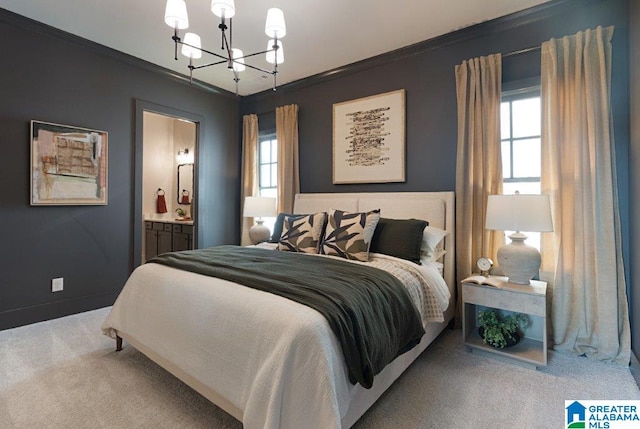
[(57, 284)]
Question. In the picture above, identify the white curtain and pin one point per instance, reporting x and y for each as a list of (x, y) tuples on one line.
[(479, 160), (288, 169), (249, 186), (582, 258)]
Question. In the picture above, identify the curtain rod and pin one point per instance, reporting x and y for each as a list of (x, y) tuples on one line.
[(522, 51), (261, 113)]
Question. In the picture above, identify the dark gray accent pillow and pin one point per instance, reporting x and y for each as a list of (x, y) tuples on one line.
[(277, 227), (401, 238)]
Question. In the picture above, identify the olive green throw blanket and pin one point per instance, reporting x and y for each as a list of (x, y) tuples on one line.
[(368, 309)]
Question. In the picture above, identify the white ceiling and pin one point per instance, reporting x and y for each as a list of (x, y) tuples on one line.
[(321, 34)]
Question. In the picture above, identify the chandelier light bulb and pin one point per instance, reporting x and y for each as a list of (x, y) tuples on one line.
[(275, 26), (271, 55), (175, 14), (223, 8), (238, 60), (192, 51)]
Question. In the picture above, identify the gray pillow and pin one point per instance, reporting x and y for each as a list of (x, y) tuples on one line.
[(401, 238), (277, 227)]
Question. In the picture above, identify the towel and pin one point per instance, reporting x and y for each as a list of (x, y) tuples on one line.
[(185, 197), (162, 203)]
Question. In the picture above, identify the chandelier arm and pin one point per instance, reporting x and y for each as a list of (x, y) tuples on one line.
[(203, 50), (236, 78), (210, 64), (226, 45), (254, 54), (226, 59), (176, 40), (259, 69), (222, 28)]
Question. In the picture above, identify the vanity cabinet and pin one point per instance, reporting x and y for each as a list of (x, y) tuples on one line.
[(182, 236), (163, 237)]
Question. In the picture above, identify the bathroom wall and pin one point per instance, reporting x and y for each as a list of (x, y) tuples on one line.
[(164, 136), (158, 164)]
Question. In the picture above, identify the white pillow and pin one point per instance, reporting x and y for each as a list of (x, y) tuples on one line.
[(432, 245)]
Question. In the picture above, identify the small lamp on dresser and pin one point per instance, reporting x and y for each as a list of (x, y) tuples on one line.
[(259, 207), (519, 261)]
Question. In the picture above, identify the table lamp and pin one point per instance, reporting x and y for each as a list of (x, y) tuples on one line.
[(519, 261), (259, 207)]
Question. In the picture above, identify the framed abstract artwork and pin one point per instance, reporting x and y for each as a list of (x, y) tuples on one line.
[(369, 139), (68, 165)]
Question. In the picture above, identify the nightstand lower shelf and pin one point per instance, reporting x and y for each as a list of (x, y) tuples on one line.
[(527, 350)]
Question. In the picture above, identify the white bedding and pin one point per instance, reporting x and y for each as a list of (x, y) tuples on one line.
[(280, 367), (268, 361)]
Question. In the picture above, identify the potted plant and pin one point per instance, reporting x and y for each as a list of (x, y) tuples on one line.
[(181, 212), (501, 331)]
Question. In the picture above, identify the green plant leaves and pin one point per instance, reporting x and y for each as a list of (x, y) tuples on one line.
[(499, 330)]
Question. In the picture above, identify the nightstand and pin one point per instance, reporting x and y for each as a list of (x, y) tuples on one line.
[(530, 300)]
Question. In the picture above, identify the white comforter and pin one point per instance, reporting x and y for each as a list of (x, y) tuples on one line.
[(276, 360)]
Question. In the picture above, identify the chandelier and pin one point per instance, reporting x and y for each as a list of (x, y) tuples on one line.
[(175, 16)]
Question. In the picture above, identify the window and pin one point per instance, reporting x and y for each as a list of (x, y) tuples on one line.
[(268, 165), (520, 123), (520, 133), (268, 170)]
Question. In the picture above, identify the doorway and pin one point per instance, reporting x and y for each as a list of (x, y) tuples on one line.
[(166, 197)]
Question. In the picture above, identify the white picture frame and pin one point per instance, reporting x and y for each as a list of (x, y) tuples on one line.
[(369, 139)]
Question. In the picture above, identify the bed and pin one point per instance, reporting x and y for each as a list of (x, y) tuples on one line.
[(268, 361)]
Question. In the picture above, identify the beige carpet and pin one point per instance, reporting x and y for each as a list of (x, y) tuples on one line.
[(65, 374)]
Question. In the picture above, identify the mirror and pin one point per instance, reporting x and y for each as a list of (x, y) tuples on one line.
[(185, 183)]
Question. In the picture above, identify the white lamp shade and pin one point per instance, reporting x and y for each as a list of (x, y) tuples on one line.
[(175, 14), (238, 60), (192, 51), (223, 8), (531, 213), (259, 207), (275, 26), (271, 55)]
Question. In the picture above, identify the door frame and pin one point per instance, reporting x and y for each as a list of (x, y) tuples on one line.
[(142, 106)]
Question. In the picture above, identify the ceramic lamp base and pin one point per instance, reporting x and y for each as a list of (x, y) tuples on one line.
[(259, 233), (520, 262)]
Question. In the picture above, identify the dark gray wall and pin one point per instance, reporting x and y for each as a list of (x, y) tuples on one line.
[(52, 76), (426, 72)]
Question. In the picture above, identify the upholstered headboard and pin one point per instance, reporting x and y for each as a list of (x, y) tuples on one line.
[(436, 207)]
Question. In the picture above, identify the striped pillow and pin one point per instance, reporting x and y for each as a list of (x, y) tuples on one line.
[(348, 235)]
